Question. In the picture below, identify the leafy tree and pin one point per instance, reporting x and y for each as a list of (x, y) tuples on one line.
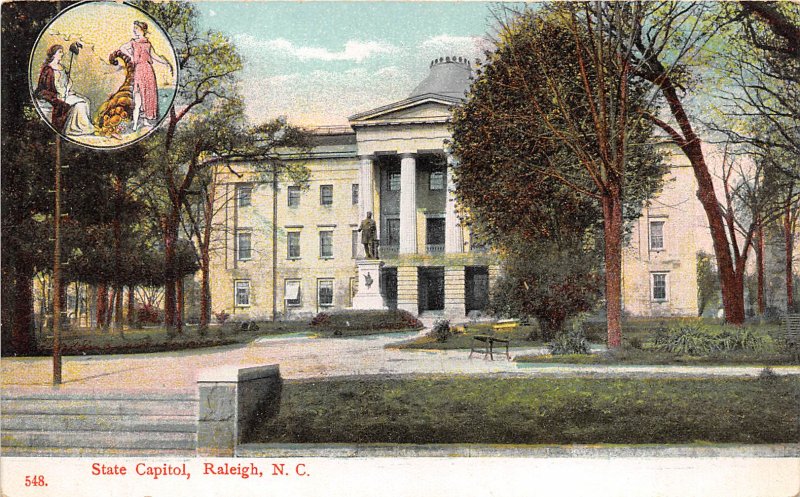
[(555, 105), (549, 281)]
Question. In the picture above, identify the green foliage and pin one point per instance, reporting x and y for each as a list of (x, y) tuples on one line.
[(573, 342), (440, 330), (550, 281), (352, 320), (695, 340)]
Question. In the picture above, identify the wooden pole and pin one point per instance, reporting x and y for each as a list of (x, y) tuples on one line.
[(57, 270)]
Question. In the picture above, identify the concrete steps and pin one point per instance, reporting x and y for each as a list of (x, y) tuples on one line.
[(98, 423)]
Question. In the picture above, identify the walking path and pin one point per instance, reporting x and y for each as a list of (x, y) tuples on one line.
[(303, 357)]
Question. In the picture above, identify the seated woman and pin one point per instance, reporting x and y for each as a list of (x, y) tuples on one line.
[(70, 114)]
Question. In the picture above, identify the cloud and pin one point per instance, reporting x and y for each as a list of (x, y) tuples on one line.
[(460, 46), (354, 50)]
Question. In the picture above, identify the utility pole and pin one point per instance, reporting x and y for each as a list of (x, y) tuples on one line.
[(57, 270)]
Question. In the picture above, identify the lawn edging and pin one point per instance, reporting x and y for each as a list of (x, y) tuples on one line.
[(527, 451)]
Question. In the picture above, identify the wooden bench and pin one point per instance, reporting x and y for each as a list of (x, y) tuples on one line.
[(485, 343), (792, 322)]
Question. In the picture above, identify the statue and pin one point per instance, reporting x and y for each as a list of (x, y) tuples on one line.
[(369, 236)]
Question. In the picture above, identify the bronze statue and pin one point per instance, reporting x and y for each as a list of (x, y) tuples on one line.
[(369, 236)]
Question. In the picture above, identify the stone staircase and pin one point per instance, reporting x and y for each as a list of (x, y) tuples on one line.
[(87, 423)]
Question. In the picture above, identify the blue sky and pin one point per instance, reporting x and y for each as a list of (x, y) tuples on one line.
[(319, 62)]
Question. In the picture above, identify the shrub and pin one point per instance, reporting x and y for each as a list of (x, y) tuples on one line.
[(768, 374), (148, 314), (573, 342), (686, 339), (740, 339), (366, 320), (441, 330), (221, 316)]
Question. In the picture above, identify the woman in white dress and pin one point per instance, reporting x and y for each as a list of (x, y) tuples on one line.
[(55, 86)]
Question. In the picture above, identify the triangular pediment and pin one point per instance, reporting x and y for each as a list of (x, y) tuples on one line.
[(424, 108)]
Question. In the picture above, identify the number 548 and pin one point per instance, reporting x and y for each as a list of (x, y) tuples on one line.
[(35, 481)]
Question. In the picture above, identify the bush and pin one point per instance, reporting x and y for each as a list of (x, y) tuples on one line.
[(740, 339), (685, 340), (366, 320), (573, 342), (148, 314), (441, 330)]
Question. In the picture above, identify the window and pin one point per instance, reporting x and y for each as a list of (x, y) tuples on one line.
[(243, 246), (293, 293), (659, 286), (326, 195), (354, 193), (326, 244), (437, 180), (355, 242), (394, 182), (293, 245), (393, 232), (244, 195), (434, 230), (325, 293), (656, 235), (242, 296), (294, 196)]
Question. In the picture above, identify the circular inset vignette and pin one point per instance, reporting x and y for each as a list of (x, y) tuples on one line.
[(103, 74)]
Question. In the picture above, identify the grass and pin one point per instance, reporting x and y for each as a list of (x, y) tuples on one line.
[(628, 355), (536, 411), (86, 341), (463, 340)]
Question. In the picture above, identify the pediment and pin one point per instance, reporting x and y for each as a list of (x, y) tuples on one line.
[(422, 109)]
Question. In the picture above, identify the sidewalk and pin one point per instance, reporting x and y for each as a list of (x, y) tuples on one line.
[(302, 357)]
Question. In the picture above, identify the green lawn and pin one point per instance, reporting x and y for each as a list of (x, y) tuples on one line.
[(458, 409), (771, 357), (463, 340)]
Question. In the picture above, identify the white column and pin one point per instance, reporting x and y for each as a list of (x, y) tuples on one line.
[(408, 204), (453, 235), (365, 198)]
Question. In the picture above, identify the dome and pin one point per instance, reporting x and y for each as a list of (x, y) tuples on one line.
[(449, 76)]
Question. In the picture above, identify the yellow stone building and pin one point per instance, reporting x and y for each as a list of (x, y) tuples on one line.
[(290, 252)]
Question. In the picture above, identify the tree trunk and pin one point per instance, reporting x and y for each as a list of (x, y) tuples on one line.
[(612, 232), (110, 307), (179, 305), (170, 238), (760, 269), (22, 328), (102, 305), (732, 294), (788, 238), (131, 306), (118, 317), (205, 296)]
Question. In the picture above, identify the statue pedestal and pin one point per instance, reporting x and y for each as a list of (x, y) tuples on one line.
[(369, 294)]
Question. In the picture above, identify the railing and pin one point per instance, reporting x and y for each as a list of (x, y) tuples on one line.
[(435, 248)]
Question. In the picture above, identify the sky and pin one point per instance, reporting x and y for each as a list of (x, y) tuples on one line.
[(316, 63)]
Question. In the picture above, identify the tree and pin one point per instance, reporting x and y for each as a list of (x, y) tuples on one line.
[(549, 281), (556, 102), (208, 65), (707, 282)]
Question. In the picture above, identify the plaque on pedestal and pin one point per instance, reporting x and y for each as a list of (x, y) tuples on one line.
[(369, 295)]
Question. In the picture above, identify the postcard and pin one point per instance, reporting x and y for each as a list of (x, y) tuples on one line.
[(400, 248)]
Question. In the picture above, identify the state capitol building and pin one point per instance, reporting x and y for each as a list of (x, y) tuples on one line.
[(295, 251)]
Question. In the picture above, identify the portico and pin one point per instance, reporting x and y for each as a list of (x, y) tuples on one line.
[(407, 180)]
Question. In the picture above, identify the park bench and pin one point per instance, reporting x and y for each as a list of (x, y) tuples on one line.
[(248, 326), (485, 343), (792, 322)]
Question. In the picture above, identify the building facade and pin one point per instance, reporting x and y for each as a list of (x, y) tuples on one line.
[(291, 251), (288, 251)]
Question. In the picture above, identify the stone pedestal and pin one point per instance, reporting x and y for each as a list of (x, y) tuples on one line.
[(369, 295)]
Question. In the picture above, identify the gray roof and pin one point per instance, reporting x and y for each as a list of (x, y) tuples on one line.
[(448, 76)]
